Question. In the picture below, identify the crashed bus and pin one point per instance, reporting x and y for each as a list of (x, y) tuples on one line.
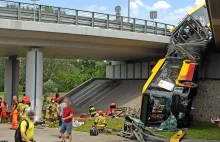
[(168, 94)]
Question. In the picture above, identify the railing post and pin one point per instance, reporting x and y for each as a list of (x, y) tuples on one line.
[(19, 11), (93, 15), (134, 25), (76, 17), (155, 28), (58, 16), (165, 30), (107, 21), (145, 28), (121, 23), (39, 18)]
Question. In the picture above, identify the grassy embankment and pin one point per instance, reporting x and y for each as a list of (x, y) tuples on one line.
[(199, 130)]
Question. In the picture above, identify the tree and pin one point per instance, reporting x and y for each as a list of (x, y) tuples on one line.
[(49, 87), (59, 74)]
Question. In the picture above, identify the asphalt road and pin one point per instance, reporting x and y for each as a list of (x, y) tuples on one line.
[(51, 135)]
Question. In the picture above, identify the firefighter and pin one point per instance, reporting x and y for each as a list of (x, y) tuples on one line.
[(53, 110), (111, 110), (21, 106), (14, 113), (26, 106), (45, 104), (92, 111), (100, 122), (3, 107)]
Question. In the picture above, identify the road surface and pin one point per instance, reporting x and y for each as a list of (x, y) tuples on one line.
[(51, 135)]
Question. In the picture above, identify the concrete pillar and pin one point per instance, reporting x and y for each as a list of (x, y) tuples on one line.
[(11, 86), (34, 78)]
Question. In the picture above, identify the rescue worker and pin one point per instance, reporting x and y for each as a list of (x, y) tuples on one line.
[(27, 134), (92, 111), (111, 110), (24, 107), (45, 104), (20, 107), (53, 110), (4, 108), (100, 122), (14, 113)]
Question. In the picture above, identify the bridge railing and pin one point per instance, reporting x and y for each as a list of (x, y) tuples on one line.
[(50, 14)]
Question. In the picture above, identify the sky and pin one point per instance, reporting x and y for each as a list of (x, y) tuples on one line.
[(168, 11)]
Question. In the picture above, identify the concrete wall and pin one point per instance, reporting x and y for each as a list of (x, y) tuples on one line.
[(137, 70), (145, 70), (117, 71), (130, 71), (109, 71), (206, 103), (123, 71)]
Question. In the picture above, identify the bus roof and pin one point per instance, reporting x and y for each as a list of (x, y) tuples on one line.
[(196, 8)]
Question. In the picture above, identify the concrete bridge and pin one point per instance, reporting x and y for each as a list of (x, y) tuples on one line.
[(55, 32)]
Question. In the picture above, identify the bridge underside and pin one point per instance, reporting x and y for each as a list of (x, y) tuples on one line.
[(214, 13), (64, 41)]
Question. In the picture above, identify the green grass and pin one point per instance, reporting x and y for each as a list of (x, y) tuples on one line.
[(199, 130), (117, 124)]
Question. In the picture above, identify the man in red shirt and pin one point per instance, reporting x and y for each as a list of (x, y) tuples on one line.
[(67, 120)]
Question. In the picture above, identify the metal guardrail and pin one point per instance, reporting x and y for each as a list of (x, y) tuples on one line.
[(50, 14)]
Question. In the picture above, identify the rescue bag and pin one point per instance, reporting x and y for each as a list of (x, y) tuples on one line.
[(18, 137), (94, 131)]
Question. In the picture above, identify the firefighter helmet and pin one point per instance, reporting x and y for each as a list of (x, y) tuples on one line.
[(101, 112), (26, 100)]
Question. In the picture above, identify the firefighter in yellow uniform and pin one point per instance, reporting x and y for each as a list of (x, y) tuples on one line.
[(47, 111), (25, 107), (53, 111), (92, 111), (100, 122), (21, 106)]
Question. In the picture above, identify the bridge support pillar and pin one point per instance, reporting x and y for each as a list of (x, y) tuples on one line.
[(11, 79), (34, 78)]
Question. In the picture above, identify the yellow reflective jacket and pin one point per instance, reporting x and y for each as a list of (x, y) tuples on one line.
[(52, 108), (100, 121), (92, 110)]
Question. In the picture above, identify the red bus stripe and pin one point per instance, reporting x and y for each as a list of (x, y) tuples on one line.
[(190, 73)]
